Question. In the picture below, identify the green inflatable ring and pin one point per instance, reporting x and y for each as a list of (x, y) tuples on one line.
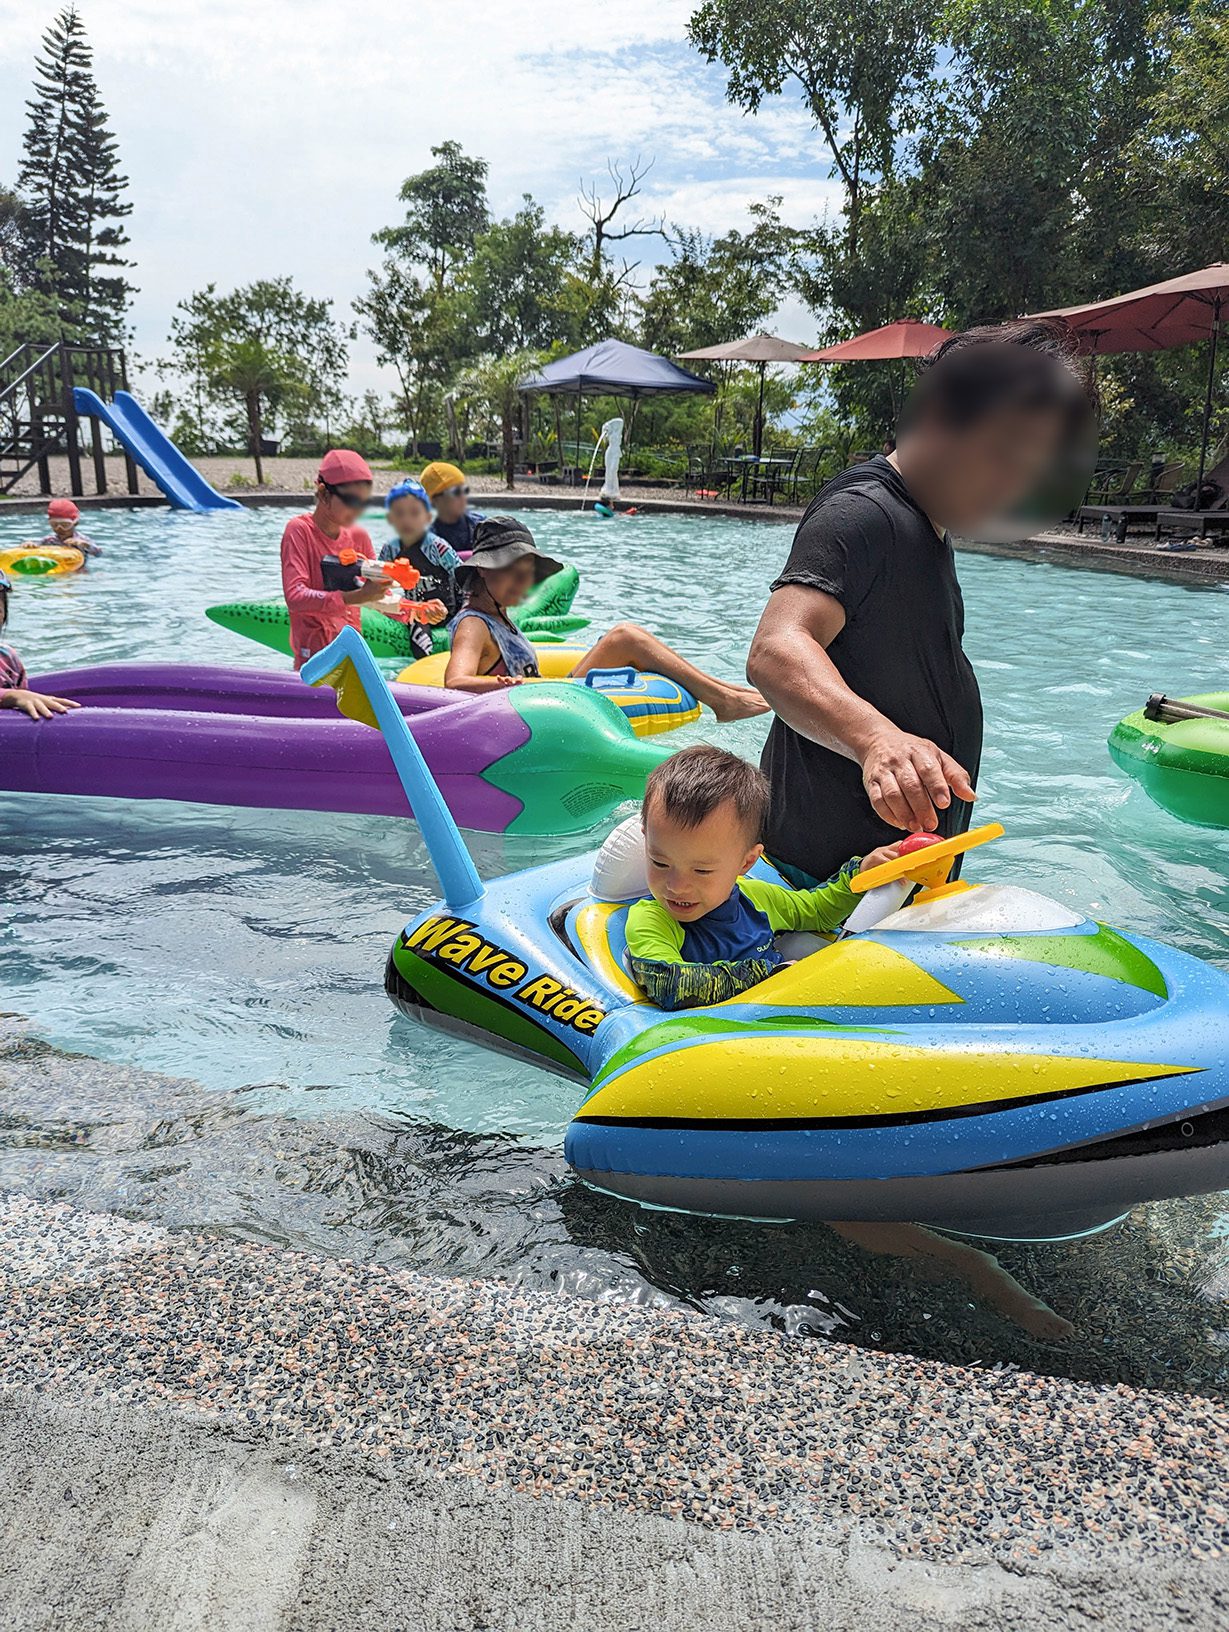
[(545, 614), (1183, 767)]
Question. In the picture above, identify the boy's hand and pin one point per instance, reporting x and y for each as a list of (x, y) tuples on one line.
[(371, 589), (434, 612), (38, 705), (885, 852)]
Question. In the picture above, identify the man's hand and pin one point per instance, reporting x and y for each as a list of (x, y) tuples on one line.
[(910, 779), (39, 705)]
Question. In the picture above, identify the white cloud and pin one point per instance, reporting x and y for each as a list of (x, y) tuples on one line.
[(272, 137)]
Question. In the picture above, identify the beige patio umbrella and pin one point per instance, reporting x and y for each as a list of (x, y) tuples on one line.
[(760, 349)]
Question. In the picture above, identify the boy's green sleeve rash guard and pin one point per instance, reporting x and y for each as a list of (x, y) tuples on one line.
[(655, 941), (818, 911)]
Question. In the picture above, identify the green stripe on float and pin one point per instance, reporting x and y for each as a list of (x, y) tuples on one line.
[(460, 999), (1106, 953)]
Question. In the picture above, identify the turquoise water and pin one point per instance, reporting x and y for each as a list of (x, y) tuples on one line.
[(244, 950)]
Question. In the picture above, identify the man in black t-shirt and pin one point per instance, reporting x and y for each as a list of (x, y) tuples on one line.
[(859, 651)]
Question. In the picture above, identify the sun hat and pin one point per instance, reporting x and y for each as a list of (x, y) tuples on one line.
[(63, 510), (408, 488), (438, 475), (343, 465), (498, 542)]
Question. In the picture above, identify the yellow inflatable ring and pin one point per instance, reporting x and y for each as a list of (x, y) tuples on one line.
[(650, 702), (40, 560)]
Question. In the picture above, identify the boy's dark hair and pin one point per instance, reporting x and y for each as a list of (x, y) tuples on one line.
[(695, 782), (1032, 363)]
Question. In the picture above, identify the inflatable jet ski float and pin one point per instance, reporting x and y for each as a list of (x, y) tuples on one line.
[(981, 1058)]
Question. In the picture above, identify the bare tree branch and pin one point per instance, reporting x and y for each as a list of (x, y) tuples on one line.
[(600, 215)]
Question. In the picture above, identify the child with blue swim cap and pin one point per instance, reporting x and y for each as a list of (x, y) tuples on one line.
[(410, 515)]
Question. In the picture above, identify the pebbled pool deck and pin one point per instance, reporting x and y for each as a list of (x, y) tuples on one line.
[(212, 1425)]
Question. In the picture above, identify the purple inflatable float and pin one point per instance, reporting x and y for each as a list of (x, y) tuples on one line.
[(532, 759)]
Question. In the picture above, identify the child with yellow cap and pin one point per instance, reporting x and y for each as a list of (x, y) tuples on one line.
[(448, 491)]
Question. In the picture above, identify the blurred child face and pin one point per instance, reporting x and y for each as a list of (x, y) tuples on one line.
[(508, 586), (693, 869), (62, 527), (451, 504), (409, 518)]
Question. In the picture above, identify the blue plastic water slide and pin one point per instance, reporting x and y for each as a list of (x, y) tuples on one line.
[(153, 450)]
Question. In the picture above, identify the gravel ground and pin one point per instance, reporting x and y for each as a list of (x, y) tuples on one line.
[(622, 1408)]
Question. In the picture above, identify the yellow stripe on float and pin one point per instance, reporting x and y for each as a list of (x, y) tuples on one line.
[(592, 928), (765, 1077), (849, 974)]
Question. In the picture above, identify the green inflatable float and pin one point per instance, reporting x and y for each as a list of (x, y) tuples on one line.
[(546, 614), (1177, 749)]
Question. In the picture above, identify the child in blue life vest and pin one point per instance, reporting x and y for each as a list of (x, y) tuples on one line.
[(410, 516), (707, 934)]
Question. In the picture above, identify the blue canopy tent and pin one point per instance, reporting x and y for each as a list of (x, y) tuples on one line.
[(612, 368)]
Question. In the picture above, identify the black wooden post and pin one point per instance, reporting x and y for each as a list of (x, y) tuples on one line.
[(36, 388), (134, 485), (71, 433)]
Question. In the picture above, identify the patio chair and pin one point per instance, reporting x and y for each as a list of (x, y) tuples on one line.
[(770, 479), (1162, 484), (1112, 481), (704, 473), (810, 473)]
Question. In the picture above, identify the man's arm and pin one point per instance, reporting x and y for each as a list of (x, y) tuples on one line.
[(907, 778)]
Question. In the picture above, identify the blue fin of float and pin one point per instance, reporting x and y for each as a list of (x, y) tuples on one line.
[(363, 694)]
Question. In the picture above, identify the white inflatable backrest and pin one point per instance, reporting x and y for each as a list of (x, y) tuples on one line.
[(985, 909), (620, 871)]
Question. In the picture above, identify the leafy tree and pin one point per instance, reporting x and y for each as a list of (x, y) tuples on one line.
[(514, 292), (717, 289), (1004, 153), (399, 314), (446, 209), (861, 71), (1180, 158), (73, 188), (259, 354)]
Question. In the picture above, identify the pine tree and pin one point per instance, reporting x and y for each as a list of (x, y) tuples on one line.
[(73, 188)]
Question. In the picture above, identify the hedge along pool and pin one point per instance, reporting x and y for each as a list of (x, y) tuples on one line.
[(243, 951)]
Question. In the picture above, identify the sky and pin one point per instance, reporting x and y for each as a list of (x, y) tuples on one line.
[(265, 137)]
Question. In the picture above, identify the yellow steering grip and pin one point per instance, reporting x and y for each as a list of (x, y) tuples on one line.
[(930, 865)]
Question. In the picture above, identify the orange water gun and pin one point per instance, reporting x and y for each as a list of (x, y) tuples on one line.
[(401, 573)]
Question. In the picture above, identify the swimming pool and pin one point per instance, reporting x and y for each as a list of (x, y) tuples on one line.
[(243, 950)]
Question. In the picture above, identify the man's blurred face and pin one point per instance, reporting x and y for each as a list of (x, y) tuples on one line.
[(983, 472)]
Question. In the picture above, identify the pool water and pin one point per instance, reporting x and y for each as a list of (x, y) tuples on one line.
[(242, 951)]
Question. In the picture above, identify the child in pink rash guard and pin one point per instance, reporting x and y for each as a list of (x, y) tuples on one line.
[(318, 615)]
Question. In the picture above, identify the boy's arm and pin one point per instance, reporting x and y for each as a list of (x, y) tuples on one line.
[(655, 949), (819, 910)]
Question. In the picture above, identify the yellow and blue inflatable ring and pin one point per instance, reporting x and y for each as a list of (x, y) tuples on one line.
[(651, 703)]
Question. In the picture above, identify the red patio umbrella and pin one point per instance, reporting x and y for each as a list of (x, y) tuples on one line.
[(904, 338), (1179, 312)]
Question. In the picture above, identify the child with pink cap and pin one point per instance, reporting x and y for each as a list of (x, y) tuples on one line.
[(318, 615), (64, 516)]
